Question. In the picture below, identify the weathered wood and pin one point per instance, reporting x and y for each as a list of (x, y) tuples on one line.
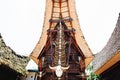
[(71, 14), (62, 43)]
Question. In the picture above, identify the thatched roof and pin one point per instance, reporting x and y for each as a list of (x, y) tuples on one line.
[(9, 58), (110, 50), (75, 24)]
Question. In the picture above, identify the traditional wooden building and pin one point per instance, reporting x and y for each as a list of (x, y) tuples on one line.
[(61, 52), (107, 61), (12, 65)]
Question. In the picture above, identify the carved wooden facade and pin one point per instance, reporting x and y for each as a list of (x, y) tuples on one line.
[(61, 52)]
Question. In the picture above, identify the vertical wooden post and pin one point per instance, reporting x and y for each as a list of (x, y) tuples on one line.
[(40, 69), (83, 78), (40, 65)]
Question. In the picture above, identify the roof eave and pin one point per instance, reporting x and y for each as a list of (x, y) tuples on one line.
[(113, 60)]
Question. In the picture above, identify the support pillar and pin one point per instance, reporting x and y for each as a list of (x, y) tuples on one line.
[(40, 69)]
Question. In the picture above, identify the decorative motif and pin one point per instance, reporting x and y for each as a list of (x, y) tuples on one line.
[(60, 55)]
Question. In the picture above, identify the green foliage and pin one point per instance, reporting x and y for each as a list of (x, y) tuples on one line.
[(92, 76), (90, 68)]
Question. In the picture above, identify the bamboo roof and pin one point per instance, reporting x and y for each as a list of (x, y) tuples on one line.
[(78, 33), (12, 60), (110, 54)]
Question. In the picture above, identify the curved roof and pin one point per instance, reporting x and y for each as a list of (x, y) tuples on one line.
[(110, 54), (78, 34), (10, 59)]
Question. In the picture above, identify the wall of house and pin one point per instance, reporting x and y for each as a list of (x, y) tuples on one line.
[(31, 76)]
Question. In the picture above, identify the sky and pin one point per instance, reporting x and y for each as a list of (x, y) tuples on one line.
[(21, 22)]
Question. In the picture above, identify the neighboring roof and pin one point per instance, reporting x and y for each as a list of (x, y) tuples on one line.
[(9, 58), (111, 62), (78, 34), (110, 53)]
